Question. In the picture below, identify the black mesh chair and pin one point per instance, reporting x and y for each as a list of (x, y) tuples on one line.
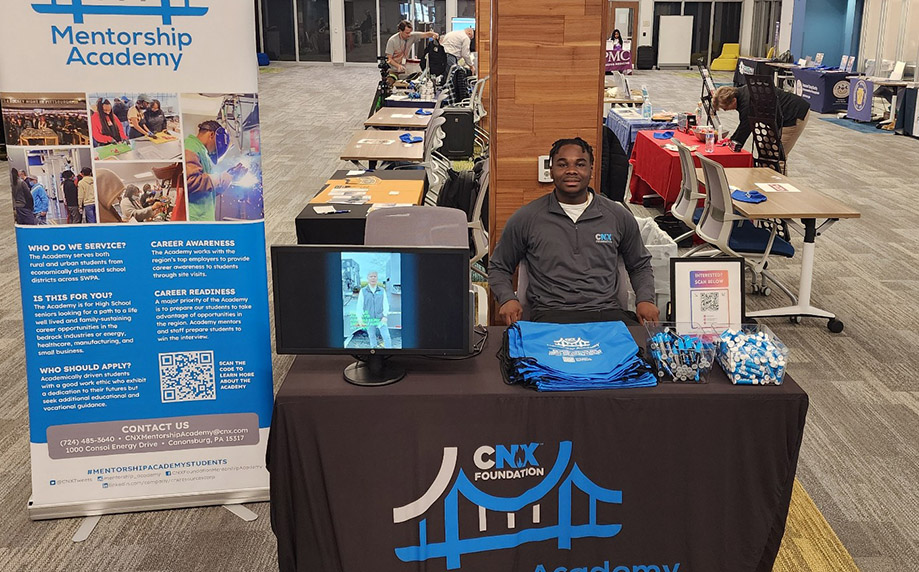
[(764, 124)]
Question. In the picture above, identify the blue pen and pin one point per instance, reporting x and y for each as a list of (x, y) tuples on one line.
[(339, 212)]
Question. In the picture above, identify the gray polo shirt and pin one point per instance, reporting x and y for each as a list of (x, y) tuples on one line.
[(571, 265), (399, 48)]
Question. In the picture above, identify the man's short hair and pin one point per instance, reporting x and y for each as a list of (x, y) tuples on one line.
[(86, 171), (584, 145), (405, 24), (723, 97), (209, 125)]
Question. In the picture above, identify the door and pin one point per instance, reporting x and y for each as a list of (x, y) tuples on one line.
[(623, 16)]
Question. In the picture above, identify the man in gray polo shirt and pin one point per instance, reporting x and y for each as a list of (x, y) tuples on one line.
[(400, 45), (572, 240)]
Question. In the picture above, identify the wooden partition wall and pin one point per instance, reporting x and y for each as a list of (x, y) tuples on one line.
[(547, 63)]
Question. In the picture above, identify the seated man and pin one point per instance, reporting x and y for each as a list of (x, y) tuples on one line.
[(571, 240)]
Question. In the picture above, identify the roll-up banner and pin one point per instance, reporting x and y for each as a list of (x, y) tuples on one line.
[(133, 133)]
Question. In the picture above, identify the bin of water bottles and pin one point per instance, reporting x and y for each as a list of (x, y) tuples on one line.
[(681, 353), (752, 355)]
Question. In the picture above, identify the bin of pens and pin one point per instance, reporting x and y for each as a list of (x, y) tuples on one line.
[(752, 355), (681, 353)]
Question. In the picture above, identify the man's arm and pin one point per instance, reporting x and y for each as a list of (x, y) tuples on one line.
[(742, 132), (385, 303), (359, 312), (510, 250)]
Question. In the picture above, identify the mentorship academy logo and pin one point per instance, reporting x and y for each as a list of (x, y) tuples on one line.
[(164, 9), (144, 46), (524, 521)]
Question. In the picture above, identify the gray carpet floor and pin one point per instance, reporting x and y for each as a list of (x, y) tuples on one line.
[(860, 457)]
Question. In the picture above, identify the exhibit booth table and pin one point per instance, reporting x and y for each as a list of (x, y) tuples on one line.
[(619, 60), (751, 66), (657, 170), (345, 225), (826, 91), (625, 123), (452, 469)]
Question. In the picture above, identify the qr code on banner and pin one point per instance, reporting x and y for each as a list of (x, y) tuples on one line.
[(709, 301), (187, 376)]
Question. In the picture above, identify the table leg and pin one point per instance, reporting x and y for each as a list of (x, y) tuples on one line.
[(803, 307)]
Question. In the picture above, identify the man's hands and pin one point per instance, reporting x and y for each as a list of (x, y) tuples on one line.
[(647, 312), (510, 312)]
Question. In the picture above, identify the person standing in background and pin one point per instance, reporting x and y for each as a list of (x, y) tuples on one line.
[(136, 118), (456, 44), (39, 200), (121, 112), (71, 198), (86, 195), (616, 38), (23, 207), (399, 45)]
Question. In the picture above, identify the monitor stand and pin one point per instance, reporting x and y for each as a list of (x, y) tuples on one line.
[(374, 371)]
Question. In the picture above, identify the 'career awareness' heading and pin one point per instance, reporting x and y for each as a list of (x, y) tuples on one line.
[(132, 43)]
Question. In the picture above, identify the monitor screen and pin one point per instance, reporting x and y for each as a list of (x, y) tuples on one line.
[(380, 300), (462, 23)]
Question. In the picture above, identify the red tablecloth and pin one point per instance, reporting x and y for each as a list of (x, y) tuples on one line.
[(657, 170)]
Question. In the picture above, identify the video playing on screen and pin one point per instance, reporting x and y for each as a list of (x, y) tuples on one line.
[(362, 299), (371, 289)]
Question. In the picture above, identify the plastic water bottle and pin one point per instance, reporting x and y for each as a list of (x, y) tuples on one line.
[(646, 110), (709, 141)]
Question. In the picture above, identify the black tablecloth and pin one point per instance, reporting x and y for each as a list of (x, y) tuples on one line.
[(345, 228), (695, 475)]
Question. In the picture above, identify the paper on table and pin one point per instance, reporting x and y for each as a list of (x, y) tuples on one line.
[(324, 209), (778, 188), (402, 115), (338, 190), (354, 173), (378, 206)]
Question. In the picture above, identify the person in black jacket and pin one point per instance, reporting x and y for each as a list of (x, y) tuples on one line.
[(22, 199), (793, 113), (71, 198)]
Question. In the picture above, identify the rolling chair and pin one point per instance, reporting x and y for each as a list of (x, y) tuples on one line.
[(424, 226), (685, 209), (735, 235)]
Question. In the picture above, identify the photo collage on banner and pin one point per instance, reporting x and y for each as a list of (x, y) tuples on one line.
[(135, 165)]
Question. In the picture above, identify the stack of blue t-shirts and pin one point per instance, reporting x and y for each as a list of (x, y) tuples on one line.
[(567, 357)]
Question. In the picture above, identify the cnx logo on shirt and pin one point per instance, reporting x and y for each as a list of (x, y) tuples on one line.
[(604, 237), (505, 457)]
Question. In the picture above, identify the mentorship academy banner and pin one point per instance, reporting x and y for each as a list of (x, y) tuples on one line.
[(133, 134)]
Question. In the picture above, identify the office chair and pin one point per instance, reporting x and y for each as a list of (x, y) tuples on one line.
[(476, 226), (685, 209), (735, 235), (423, 226)]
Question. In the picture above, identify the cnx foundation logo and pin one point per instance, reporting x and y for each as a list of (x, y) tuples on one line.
[(161, 46), (604, 237), (506, 462), (505, 522)]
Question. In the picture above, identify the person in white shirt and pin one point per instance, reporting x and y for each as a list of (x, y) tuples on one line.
[(373, 311), (457, 45)]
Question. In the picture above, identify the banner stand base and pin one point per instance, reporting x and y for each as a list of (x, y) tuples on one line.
[(138, 504), (241, 511), (86, 528)]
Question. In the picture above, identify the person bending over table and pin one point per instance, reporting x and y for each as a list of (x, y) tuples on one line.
[(572, 240), (400, 45), (793, 113)]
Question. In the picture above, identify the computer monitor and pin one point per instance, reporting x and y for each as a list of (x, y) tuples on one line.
[(373, 302), (462, 23)]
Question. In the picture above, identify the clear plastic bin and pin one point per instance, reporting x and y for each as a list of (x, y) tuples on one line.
[(681, 353), (753, 355)]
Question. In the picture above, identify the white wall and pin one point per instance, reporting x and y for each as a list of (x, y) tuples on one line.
[(788, 8)]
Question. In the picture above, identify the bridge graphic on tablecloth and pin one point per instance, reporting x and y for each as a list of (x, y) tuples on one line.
[(165, 9), (453, 547)]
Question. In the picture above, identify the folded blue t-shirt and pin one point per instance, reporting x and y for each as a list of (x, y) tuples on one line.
[(409, 138), (664, 135), (748, 196), (424, 112)]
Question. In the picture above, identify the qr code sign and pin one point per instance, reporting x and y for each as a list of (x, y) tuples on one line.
[(187, 376), (710, 301)]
